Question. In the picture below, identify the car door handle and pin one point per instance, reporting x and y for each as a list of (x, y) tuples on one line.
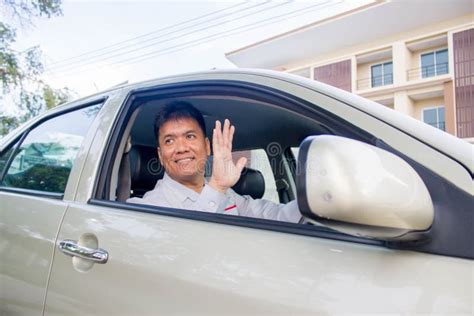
[(71, 248)]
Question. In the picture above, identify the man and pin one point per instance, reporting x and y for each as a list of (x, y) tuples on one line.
[(183, 149)]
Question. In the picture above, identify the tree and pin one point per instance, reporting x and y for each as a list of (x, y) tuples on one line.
[(20, 70), (53, 97)]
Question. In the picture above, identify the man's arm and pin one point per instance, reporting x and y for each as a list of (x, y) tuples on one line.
[(266, 209)]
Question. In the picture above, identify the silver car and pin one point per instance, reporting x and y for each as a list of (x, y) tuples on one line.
[(387, 201)]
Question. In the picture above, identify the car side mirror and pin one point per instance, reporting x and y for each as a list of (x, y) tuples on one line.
[(361, 190)]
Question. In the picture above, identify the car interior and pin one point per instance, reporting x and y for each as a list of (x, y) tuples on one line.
[(260, 126)]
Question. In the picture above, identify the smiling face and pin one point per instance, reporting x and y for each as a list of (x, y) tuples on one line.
[(183, 150)]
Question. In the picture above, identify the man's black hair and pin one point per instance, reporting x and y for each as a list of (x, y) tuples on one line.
[(177, 110)]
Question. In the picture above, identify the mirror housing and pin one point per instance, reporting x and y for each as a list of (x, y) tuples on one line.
[(361, 190)]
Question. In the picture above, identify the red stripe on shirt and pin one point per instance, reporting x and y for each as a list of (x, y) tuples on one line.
[(230, 207)]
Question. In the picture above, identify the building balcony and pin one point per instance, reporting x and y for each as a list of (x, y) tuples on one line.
[(427, 71), (375, 82)]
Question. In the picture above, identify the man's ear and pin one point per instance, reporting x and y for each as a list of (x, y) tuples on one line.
[(208, 147), (158, 150)]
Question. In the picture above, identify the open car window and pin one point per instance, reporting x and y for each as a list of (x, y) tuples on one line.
[(259, 136)]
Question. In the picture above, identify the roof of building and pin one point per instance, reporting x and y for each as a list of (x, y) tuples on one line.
[(364, 24)]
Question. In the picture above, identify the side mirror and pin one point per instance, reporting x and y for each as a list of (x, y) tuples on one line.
[(361, 190)]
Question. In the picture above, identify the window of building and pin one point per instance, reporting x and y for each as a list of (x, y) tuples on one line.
[(434, 63), (435, 117), (45, 158), (382, 74)]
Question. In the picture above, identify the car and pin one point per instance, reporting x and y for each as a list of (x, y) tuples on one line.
[(387, 201)]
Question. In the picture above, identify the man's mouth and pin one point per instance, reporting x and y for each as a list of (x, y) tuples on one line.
[(184, 160)]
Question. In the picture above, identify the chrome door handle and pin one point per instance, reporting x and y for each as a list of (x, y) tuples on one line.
[(71, 248)]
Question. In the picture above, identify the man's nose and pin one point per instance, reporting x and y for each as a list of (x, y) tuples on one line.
[(181, 145)]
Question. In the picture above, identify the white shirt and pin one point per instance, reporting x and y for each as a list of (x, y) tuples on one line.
[(170, 193)]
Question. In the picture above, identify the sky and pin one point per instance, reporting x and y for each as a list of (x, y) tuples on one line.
[(98, 44)]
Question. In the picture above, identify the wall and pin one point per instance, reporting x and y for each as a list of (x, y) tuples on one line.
[(418, 106)]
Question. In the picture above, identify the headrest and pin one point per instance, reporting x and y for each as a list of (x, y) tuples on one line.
[(145, 167), (251, 183)]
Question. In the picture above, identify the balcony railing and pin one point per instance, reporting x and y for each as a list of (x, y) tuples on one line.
[(427, 71), (376, 81)]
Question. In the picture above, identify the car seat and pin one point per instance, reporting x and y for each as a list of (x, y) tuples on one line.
[(140, 169)]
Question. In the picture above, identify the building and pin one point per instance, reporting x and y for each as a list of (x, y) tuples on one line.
[(416, 57)]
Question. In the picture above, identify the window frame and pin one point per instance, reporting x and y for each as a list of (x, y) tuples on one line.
[(435, 65), (437, 116), (383, 63), (24, 134), (101, 187)]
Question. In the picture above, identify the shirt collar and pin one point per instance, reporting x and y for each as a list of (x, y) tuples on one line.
[(181, 191)]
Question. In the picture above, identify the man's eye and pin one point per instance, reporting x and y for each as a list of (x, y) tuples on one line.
[(168, 141), (191, 136)]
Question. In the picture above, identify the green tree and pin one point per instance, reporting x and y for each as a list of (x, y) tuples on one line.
[(53, 97), (20, 70)]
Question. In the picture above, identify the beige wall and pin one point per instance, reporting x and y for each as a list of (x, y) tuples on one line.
[(450, 110), (400, 54), (303, 72), (418, 106), (363, 70), (403, 103)]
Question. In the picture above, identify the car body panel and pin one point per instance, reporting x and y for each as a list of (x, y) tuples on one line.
[(166, 265), (28, 230)]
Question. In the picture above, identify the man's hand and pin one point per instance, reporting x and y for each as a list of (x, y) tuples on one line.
[(224, 172)]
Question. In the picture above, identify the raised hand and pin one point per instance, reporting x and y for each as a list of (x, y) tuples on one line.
[(224, 172)]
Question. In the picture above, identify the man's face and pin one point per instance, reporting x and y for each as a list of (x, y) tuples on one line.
[(183, 150)]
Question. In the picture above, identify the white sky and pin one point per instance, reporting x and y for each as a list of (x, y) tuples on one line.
[(92, 25)]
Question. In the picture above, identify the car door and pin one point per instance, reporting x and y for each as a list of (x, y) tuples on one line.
[(36, 168), (128, 259)]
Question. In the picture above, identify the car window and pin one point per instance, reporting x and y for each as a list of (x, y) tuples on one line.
[(257, 159), (45, 158)]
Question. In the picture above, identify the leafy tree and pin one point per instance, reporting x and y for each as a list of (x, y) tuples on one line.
[(7, 123), (20, 70), (53, 97)]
